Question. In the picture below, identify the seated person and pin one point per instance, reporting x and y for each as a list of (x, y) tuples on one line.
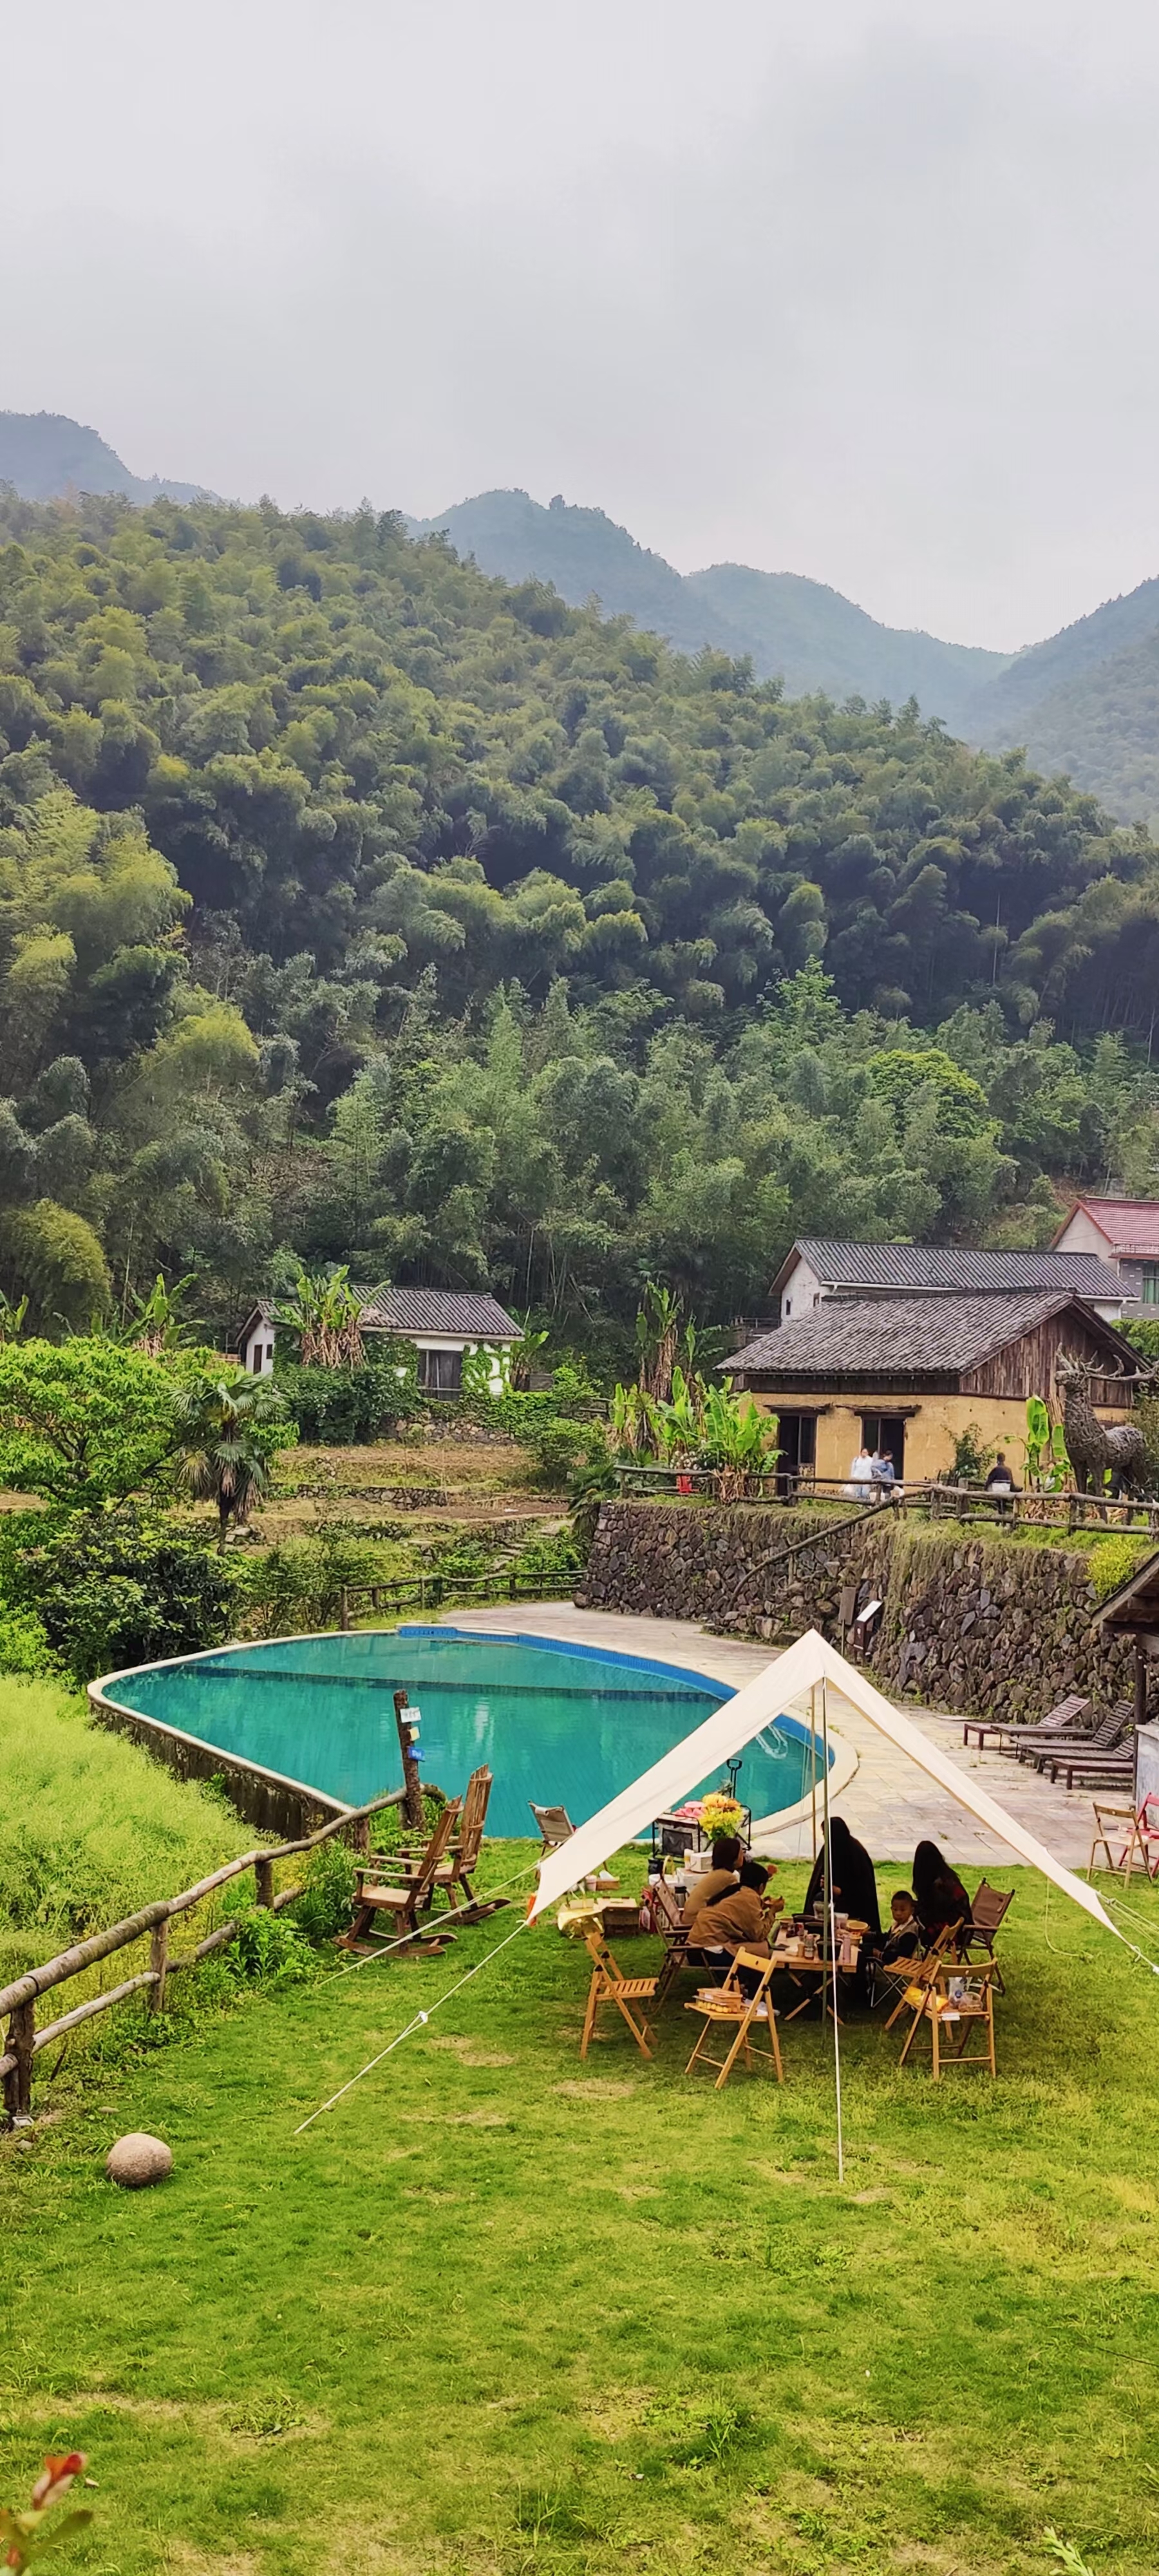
[(904, 1937), (727, 1855), (736, 1920), (854, 1884), (939, 1894)]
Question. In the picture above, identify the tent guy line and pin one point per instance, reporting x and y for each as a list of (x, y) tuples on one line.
[(418, 2021)]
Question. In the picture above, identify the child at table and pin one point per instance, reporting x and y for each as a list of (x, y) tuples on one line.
[(904, 1937)]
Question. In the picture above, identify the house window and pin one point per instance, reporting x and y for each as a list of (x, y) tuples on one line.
[(1150, 1283), (269, 1355), (440, 1372), (786, 1306), (886, 1431)]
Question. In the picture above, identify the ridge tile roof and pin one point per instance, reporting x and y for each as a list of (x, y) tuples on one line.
[(906, 1337), (956, 1269)]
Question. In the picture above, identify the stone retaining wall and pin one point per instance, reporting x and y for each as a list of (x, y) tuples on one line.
[(992, 1626)]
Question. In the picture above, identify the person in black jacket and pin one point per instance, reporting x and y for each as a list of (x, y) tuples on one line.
[(940, 1895), (854, 1884)]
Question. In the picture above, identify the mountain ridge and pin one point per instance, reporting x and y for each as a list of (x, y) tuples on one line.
[(802, 631), (45, 454)]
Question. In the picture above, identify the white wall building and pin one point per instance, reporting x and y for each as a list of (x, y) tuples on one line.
[(440, 1322)]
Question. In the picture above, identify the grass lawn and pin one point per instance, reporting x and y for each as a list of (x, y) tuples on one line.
[(499, 2312)]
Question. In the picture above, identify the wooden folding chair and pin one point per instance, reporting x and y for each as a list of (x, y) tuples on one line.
[(462, 1857), (610, 1986), (728, 2007), (1127, 1835), (988, 1912), (952, 2018), (403, 1905), (923, 1973)]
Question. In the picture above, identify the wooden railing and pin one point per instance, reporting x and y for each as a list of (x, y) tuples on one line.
[(794, 1487), (19, 2000), (433, 1591)]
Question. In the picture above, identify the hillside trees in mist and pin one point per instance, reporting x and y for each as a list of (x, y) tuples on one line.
[(352, 902)]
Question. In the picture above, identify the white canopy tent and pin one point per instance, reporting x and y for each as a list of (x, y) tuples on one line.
[(794, 1677)]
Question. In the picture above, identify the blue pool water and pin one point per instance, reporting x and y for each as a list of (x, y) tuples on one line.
[(565, 1726)]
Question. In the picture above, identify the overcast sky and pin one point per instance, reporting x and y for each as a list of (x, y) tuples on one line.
[(871, 297)]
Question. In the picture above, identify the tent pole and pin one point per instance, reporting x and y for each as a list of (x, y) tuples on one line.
[(831, 1931), (813, 1765)]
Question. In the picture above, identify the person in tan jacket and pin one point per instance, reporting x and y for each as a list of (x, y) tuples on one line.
[(736, 1920)]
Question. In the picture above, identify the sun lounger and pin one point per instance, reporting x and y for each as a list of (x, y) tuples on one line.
[(1059, 1720), (1106, 1737)]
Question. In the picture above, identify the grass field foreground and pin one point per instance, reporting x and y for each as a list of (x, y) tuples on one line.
[(501, 2312)]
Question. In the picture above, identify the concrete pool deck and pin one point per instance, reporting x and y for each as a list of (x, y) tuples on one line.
[(888, 1803)]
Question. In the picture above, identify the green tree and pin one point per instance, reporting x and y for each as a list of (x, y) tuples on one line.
[(84, 1423)]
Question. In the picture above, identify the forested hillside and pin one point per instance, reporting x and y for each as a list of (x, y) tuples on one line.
[(354, 903), (1087, 702), (797, 630)]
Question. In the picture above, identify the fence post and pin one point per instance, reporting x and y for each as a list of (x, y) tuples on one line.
[(18, 2081), (344, 1606), (264, 1881), (159, 1962)]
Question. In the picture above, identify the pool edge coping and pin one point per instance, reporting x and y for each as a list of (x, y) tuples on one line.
[(843, 1759)]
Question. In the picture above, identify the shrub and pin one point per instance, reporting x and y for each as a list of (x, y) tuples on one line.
[(1113, 1560), (323, 1908), (24, 1646), (116, 1588), (563, 1450), (344, 1407), (298, 1584)]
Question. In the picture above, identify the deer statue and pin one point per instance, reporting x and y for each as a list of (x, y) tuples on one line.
[(1093, 1446)]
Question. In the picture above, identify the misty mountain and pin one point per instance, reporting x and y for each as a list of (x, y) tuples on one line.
[(43, 454), (1087, 702), (810, 635)]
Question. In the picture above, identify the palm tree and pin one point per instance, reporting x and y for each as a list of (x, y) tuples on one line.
[(230, 1430)]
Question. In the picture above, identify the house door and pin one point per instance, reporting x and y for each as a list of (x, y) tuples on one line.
[(797, 1441), (886, 1431)]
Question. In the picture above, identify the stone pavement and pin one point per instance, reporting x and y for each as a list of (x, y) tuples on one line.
[(889, 1804)]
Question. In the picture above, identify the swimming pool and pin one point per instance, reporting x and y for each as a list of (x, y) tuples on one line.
[(564, 1725)]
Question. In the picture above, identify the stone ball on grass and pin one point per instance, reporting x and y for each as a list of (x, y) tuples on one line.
[(138, 2159)]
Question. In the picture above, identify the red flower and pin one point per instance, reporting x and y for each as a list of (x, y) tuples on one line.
[(60, 2468)]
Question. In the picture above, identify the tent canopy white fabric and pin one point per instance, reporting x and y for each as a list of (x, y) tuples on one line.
[(784, 1683)]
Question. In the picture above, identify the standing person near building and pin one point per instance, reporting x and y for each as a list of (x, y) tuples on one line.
[(881, 1473), (860, 1473)]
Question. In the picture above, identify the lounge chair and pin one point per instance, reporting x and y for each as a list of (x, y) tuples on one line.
[(1059, 1720), (454, 1873), (402, 1905), (1105, 1737), (728, 2007), (1107, 1761), (555, 1826), (610, 1986), (988, 1911)]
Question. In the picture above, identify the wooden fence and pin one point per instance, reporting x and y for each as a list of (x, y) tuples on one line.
[(432, 1591), (1067, 1511), (19, 2000)]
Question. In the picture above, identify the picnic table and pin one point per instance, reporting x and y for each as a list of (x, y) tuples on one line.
[(803, 1949)]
